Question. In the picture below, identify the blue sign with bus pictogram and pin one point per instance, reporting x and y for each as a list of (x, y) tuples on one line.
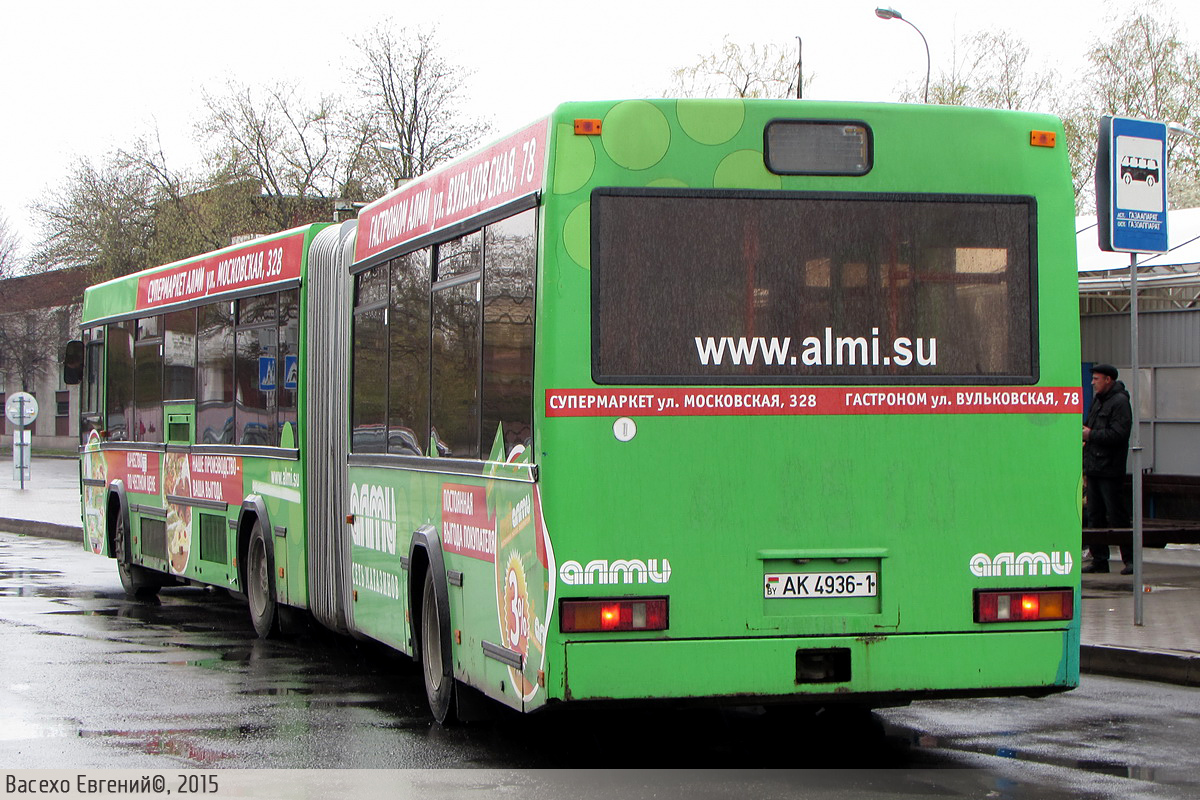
[(1131, 185)]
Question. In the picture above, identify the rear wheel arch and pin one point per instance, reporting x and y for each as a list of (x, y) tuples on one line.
[(256, 570), (116, 506), (427, 567)]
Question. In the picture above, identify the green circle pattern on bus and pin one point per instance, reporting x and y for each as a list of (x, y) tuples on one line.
[(574, 159), (575, 235), (636, 134), (744, 169), (710, 121)]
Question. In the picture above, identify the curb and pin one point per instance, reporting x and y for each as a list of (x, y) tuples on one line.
[(46, 530), (1182, 669)]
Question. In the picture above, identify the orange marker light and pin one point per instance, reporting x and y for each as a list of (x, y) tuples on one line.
[(1042, 138), (587, 127)]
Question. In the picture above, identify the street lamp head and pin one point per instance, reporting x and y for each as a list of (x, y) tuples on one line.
[(891, 13), (1180, 130)]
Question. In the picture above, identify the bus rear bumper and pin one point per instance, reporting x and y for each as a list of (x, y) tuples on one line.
[(900, 666)]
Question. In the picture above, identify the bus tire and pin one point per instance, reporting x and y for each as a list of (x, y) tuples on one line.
[(439, 681), (260, 588), (138, 582)]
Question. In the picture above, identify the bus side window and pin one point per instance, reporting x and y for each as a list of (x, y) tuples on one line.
[(509, 254), (256, 371), (179, 355), (289, 363), (368, 395), (147, 381), (91, 413), (118, 371), (214, 373), (454, 362), (408, 359)]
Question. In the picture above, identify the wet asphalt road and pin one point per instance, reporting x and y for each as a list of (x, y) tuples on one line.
[(89, 679)]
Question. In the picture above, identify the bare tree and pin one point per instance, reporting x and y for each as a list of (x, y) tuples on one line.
[(9, 244), (277, 139), (1144, 69), (409, 118), (101, 218), (991, 69), (738, 70), (29, 342)]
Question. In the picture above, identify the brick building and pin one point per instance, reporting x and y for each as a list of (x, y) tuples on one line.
[(39, 314)]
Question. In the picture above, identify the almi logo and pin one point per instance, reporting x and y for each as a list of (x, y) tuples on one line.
[(1013, 565), (572, 573)]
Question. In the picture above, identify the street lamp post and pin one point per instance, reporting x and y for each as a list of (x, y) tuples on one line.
[(799, 68), (891, 13)]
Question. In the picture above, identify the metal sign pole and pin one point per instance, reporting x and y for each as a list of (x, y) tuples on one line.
[(21, 440), (1135, 441)]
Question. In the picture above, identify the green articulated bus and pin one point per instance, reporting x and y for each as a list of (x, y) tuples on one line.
[(730, 401)]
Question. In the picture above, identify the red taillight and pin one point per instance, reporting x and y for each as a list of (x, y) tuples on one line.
[(1024, 606), (617, 614)]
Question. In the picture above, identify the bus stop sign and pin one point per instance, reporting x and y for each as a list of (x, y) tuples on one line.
[(1131, 185), (21, 409)]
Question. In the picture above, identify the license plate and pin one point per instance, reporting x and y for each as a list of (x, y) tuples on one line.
[(793, 585)]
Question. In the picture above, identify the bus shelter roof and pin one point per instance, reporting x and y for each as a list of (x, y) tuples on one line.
[(1183, 239)]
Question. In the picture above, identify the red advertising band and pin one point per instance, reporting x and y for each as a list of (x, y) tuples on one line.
[(700, 402), (258, 264), (507, 170)]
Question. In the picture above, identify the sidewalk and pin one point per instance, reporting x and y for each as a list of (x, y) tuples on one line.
[(1165, 648), (49, 506)]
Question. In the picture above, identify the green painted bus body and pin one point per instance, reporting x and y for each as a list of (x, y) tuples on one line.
[(698, 508), (279, 481)]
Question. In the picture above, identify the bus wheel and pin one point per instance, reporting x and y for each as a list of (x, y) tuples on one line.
[(439, 683), (137, 581), (260, 589)]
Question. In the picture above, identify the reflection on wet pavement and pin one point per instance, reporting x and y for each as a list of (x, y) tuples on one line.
[(91, 679)]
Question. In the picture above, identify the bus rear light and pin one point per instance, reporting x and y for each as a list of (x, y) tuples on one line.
[(616, 614), (1024, 606)]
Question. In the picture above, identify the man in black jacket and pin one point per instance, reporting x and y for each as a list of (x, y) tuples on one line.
[(1105, 446)]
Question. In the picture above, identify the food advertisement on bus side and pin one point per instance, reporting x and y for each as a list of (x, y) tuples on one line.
[(178, 483), (491, 530), (195, 477), (501, 523), (524, 584), (137, 470), (95, 471), (177, 477)]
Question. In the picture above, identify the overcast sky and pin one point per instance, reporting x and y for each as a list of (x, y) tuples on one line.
[(83, 78)]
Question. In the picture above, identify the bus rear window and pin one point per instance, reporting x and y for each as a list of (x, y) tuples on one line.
[(817, 147), (740, 287)]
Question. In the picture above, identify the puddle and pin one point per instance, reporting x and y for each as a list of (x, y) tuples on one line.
[(1117, 769), (17, 729), (182, 744), (285, 691)]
